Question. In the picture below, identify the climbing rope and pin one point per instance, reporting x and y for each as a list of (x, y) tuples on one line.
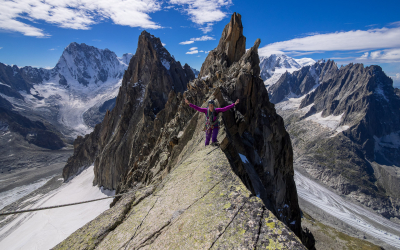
[(57, 206)]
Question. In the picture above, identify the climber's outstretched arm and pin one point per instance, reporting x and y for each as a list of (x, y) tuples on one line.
[(227, 107), (203, 110)]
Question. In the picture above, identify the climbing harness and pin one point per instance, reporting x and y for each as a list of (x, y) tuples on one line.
[(209, 122)]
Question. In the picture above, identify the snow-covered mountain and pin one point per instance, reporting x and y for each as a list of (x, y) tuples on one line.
[(87, 65), (195, 72), (274, 66), (83, 77)]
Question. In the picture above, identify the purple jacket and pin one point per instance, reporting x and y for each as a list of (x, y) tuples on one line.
[(217, 110)]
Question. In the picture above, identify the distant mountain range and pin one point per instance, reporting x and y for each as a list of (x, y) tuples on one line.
[(344, 125), (74, 95)]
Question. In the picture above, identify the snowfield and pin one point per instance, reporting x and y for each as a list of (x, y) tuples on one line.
[(45, 229), (354, 215)]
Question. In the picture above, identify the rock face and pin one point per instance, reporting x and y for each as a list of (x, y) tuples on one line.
[(232, 45), (345, 133), (34, 132), (135, 147), (87, 64)]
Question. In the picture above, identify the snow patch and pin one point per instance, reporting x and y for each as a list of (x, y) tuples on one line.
[(44, 229), (8, 197), (166, 64), (331, 122), (244, 158), (305, 61), (5, 84), (380, 92), (391, 140)]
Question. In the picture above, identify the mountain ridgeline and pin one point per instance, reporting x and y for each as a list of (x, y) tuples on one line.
[(150, 148), (345, 130)]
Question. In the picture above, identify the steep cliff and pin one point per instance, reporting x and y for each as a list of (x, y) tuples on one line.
[(146, 150)]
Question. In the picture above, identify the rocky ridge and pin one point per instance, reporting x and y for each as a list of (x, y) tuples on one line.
[(254, 147), (344, 131)]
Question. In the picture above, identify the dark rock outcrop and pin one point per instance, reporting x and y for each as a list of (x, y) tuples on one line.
[(34, 132), (397, 91)]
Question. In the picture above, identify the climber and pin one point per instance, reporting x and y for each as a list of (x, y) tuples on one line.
[(211, 124)]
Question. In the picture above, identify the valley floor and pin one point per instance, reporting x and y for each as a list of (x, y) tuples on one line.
[(342, 214)]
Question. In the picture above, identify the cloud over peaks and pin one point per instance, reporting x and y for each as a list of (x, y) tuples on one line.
[(75, 14)]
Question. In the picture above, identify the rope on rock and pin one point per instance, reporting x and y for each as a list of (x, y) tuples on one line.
[(57, 206)]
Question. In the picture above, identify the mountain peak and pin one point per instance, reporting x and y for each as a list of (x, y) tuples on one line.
[(231, 47), (232, 41)]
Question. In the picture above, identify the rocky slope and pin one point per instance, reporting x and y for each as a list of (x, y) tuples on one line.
[(344, 130), (163, 157)]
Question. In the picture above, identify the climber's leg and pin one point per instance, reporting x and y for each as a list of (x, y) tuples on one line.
[(214, 134), (208, 136)]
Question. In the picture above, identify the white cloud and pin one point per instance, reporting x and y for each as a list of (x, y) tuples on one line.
[(191, 52), (75, 14), (198, 39), (364, 56), (204, 12), (186, 42), (1, 47), (203, 38), (201, 51), (52, 49), (386, 55), (396, 80), (207, 28), (383, 38), (193, 48), (163, 44)]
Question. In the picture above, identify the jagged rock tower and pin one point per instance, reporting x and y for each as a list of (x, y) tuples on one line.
[(181, 194)]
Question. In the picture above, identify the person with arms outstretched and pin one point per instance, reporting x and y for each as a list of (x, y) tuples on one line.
[(211, 123)]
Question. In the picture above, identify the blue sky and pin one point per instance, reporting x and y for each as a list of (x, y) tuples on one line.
[(35, 33)]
